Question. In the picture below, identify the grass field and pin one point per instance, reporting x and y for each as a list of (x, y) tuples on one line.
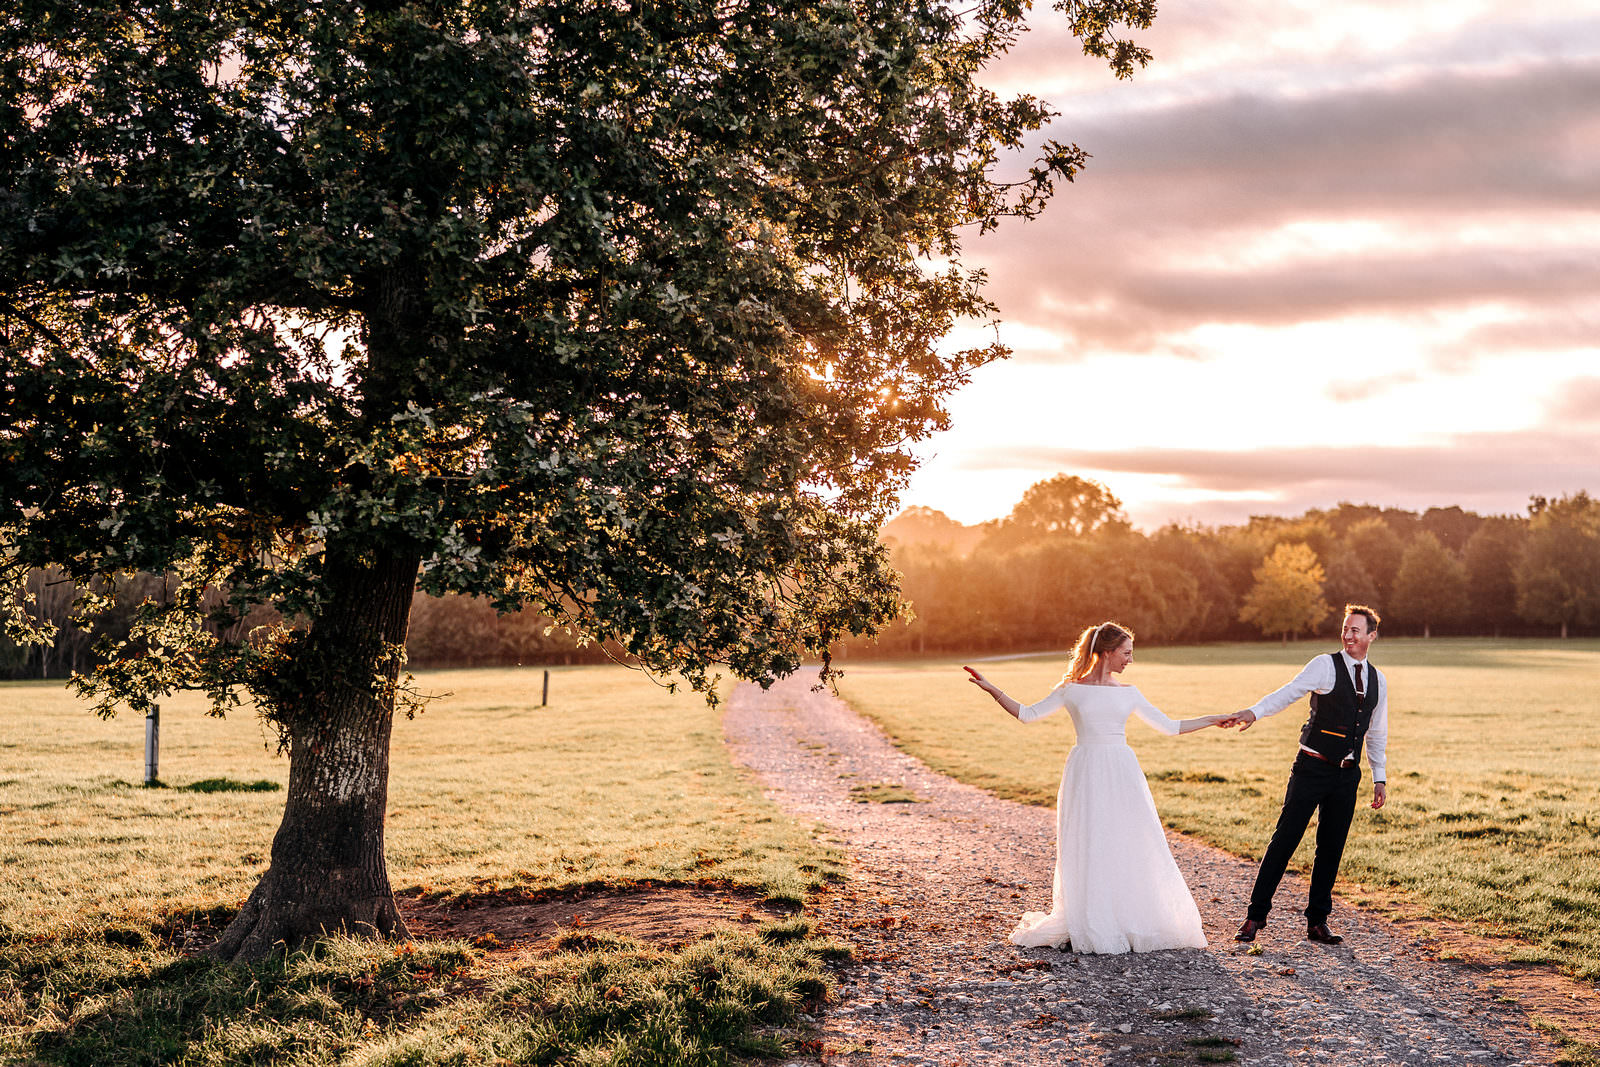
[(616, 781), (1494, 797)]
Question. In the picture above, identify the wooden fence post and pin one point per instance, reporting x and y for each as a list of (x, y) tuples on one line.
[(545, 700)]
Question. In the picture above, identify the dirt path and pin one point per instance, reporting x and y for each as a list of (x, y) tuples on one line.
[(937, 885)]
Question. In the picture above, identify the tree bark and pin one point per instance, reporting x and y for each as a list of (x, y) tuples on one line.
[(328, 871)]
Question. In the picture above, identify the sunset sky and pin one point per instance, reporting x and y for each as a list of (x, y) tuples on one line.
[(1321, 253)]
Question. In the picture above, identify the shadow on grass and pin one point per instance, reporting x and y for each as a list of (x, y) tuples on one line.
[(122, 999), (230, 785), (218, 785)]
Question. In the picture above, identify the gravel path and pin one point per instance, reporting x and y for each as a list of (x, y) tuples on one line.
[(937, 885)]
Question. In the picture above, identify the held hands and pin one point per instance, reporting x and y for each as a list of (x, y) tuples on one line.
[(1241, 719)]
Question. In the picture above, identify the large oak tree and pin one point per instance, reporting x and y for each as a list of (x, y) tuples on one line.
[(625, 310)]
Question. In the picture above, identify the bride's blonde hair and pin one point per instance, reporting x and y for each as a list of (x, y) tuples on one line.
[(1093, 643)]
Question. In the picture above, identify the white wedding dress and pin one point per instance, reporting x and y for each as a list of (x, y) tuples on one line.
[(1116, 886)]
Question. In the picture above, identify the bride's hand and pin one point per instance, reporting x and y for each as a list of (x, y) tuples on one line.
[(977, 679)]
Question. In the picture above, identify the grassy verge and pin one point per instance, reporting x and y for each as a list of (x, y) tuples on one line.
[(1493, 800), (616, 782), (592, 999)]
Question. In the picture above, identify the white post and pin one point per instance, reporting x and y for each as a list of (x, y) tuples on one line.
[(152, 744)]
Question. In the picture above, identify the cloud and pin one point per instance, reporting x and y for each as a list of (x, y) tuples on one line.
[(1298, 40), (1129, 306), (1551, 331), (1492, 471), (1293, 197), (1343, 391), (1438, 141), (1577, 402), (1164, 230)]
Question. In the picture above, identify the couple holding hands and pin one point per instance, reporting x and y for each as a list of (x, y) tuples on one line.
[(1116, 887)]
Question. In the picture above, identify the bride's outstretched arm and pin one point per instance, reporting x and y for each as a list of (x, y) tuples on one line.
[(1189, 726), (1011, 706), (1168, 725)]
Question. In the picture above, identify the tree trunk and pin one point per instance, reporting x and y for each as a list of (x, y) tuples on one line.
[(1563, 631), (328, 871), (1427, 631)]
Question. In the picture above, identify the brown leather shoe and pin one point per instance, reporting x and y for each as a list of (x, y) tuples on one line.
[(1320, 932), (1247, 931)]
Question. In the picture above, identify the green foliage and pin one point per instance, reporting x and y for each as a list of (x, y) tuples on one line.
[(1348, 580), (1028, 587), (922, 527), (1488, 822), (1287, 596), (1380, 549), (621, 312), (1490, 556), (1453, 526), (1431, 587), (1558, 573), (1064, 506), (597, 997)]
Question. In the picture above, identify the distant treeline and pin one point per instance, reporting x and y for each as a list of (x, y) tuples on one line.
[(1066, 557), (452, 631)]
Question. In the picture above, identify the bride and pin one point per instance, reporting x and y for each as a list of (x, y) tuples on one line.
[(1116, 887)]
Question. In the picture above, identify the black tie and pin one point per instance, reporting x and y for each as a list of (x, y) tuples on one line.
[(1361, 690)]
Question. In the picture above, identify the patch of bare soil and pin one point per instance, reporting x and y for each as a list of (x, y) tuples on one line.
[(670, 912)]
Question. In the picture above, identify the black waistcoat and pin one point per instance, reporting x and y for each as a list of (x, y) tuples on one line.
[(1339, 721)]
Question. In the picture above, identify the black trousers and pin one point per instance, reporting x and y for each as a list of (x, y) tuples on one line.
[(1330, 791)]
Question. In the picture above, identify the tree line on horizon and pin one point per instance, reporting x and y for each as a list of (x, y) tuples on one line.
[(1067, 557), (453, 630)]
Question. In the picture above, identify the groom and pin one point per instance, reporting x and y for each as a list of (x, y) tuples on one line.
[(1349, 705)]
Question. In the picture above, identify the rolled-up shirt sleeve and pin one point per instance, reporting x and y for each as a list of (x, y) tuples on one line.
[(1055, 701), (1153, 715), (1378, 734), (1314, 677)]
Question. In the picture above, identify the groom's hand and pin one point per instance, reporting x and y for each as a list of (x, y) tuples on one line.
[(1380, 794), (1241, 719)]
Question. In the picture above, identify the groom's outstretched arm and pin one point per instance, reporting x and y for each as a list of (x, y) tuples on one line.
[(1315, 676)]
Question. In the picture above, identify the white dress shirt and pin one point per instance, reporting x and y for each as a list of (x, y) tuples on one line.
[(1318, 677)]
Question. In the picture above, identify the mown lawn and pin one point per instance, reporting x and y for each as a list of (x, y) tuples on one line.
[(1494, 796), (616, 781)]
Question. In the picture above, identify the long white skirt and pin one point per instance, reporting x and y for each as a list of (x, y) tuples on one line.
[(1116, 887)]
